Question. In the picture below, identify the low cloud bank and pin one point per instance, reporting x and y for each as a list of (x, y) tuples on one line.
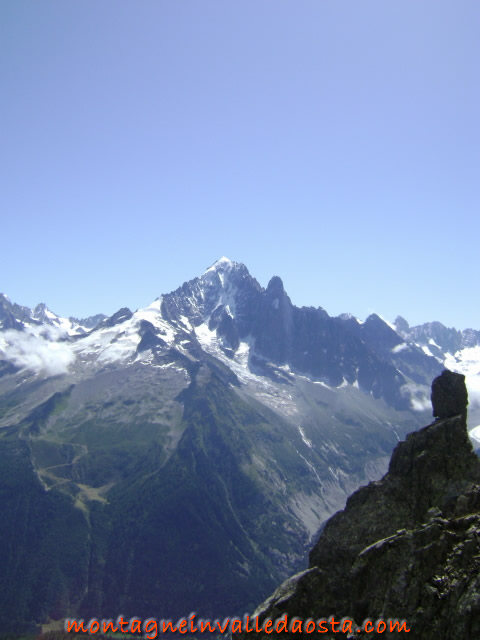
[(419, 396), (38, 349), (473, 388)]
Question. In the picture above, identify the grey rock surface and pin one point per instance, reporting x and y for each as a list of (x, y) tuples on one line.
[(405, 547)]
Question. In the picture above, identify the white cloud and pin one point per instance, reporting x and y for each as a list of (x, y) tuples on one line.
[(473, 388), (419, 396), (38, 349)]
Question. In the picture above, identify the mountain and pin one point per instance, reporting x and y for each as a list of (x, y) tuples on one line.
[(14, 316), (406, 547), (456, 350), (436, 339), (183, 456)]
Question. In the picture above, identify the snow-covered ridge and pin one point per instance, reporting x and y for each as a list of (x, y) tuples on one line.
[(50, 345)]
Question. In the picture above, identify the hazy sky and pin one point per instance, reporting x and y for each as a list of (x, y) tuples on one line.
[(334, 143)]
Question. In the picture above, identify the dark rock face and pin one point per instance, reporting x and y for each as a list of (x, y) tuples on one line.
[(401, 325), (449, 395), (334, 350), (149, 339), (120, 316), (91, 322), (407, 546), (12, 315)]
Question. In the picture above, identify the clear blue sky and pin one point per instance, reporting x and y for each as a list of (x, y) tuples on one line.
[(334, 143)]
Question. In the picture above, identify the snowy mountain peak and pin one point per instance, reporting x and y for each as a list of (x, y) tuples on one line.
[(223, 273), (222, 263), (41, 306), (43, 314)]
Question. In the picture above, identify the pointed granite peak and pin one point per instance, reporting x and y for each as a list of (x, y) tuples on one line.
[(275, 286), (41, 307), (401, 324), (43, 314)]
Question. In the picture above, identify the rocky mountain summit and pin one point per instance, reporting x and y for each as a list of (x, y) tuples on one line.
[(440, 339), (406, 546)]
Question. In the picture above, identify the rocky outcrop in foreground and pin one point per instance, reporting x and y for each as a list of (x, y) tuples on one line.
[(405, 547)]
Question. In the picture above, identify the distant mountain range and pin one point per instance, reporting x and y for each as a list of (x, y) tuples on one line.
[(182, 457)]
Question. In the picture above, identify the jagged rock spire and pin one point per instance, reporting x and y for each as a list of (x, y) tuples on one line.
[(449, 395)]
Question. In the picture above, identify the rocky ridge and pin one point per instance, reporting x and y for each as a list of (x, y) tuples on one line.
[(440, 339), (407, 546)]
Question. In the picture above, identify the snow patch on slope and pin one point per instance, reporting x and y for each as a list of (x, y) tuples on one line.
[(221, 262), (304, 437), (259, 386), (427, 351), (110, 344), (153, 314)]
